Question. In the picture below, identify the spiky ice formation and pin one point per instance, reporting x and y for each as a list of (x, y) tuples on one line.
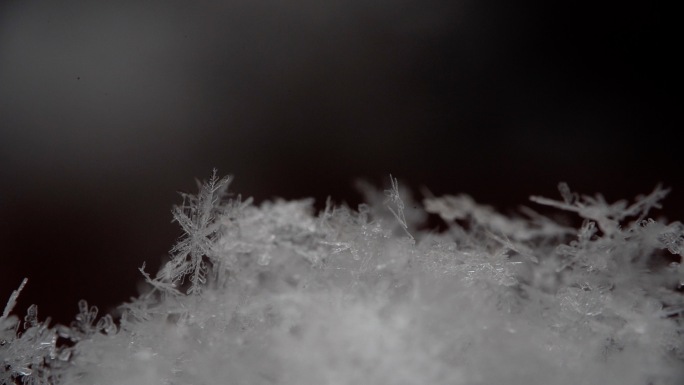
[(276, 294)]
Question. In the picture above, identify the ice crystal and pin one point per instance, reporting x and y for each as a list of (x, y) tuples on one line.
[(275, 293), (197, 216)]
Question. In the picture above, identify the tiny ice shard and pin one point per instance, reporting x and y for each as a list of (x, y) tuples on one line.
[(264, 259)]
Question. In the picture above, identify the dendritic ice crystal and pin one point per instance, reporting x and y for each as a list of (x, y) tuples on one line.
[(275, 293)]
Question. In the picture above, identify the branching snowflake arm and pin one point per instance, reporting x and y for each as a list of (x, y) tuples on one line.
[(197, 216), (393, 198), (607, 216)]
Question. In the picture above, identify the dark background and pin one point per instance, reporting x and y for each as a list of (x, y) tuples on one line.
[(106, 110)]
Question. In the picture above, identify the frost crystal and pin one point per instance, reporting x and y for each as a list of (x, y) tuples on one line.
[(276, 293)]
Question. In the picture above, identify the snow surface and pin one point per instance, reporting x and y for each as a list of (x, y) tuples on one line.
[(275, 293)]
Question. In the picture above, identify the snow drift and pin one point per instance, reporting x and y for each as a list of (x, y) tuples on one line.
[(276, 293)]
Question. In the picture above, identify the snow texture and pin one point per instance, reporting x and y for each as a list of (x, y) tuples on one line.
[(278, 294)]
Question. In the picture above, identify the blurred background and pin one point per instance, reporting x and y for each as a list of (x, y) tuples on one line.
[(107, 109)]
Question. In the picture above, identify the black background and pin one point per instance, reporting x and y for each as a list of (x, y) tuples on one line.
[(107, 110)]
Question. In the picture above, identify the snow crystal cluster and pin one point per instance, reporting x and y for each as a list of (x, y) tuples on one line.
[(278, 294)]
